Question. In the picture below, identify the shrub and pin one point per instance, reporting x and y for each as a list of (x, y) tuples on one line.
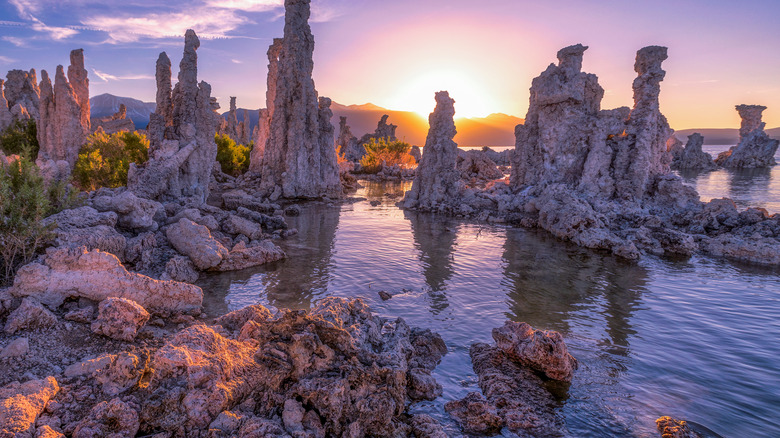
[(380, 153), (233, 158), (21, 138), (105, 159), (25, 199)]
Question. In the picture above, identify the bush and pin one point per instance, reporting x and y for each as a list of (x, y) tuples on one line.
[(233, 158), (21, 138), (380, 153), (25, 199), (105, 159)]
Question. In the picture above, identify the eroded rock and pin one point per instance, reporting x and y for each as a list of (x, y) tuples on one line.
[(119, 318), (22, 403), (76, 272), (755, 149), (543, 351), (299, 158), (692, 157)]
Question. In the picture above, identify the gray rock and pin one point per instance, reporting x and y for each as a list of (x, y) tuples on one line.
[(693, 157), (29, 315), (437, 181), (755, 148), (119, 318), (16, 348), (195, 241), (299, 158)]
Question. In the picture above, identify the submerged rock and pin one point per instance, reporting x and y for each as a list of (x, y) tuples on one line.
[(755, 149), (475, 415), (299, 158), (668, 427)]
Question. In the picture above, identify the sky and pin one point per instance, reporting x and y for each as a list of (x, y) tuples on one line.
[(398, 53)]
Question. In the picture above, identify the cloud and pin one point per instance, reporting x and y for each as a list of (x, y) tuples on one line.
[(26, 8), (106, 77), (236, 61), (18, 42), (207, 22), (247, 5), (6, 59)]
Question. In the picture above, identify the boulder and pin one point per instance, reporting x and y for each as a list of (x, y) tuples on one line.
[(16, 348), (475, 415), (195, 241), (134, 213), (76, 272), (119, 318), (543, 351), (22, 403), (115, 419), (29, 315)]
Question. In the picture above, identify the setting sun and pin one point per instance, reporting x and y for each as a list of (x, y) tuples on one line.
[(470, 99)]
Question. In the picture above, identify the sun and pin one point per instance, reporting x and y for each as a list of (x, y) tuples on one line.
[(417, 95)]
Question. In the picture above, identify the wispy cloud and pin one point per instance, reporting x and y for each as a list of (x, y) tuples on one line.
[(246, 5), (207, 22), (6, 59), (18, 42), (26, 9), (236, 61), (106, 77)]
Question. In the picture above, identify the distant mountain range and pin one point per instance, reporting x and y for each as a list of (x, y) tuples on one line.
[(725, 137), (493, 130), (106, 105)]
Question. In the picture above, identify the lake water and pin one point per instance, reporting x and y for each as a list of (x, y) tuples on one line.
[(696, 339)]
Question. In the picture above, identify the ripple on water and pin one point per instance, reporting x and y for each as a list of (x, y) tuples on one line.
[(694, 339)]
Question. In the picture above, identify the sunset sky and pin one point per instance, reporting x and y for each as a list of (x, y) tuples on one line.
[(397, 53)]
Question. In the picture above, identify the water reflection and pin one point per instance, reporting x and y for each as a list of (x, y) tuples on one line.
[(746, 187), (306, 272), (549, 283), (435, 239)]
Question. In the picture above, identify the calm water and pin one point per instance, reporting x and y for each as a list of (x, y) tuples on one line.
[(695, 339), (748, 188)]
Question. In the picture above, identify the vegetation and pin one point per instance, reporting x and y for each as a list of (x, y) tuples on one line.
[(232, 157), (105, 159), (26, 199), (380, 153), (21, 138)]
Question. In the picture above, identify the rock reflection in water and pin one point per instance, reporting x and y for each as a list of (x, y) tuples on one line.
[(435, 239)]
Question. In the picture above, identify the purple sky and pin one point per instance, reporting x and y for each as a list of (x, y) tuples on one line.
[(396, 54)]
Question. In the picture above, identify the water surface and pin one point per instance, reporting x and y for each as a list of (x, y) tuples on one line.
[(695, 339)]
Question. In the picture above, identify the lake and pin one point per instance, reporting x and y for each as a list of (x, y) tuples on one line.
[(695, 339)]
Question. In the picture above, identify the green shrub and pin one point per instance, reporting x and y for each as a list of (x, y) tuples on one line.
[(21, 138), (25, 199), (233, 158), (380, 153), (105, 159)]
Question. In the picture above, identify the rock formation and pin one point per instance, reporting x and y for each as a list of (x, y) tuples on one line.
[(5, 113), (755, 148), (514, 395), (182, 150), (232, 121), (347, 142), (22, 92), (60, 130), (77, 77), (260, 137), (692, 157), (117, 122), (356, 150), (76, 272), (245, 135), (477, 167), (437, 179), (299, 159), (620, 152)]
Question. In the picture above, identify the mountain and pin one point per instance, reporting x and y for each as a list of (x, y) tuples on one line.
[(727, 137), (106, 105), (493, 130)]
